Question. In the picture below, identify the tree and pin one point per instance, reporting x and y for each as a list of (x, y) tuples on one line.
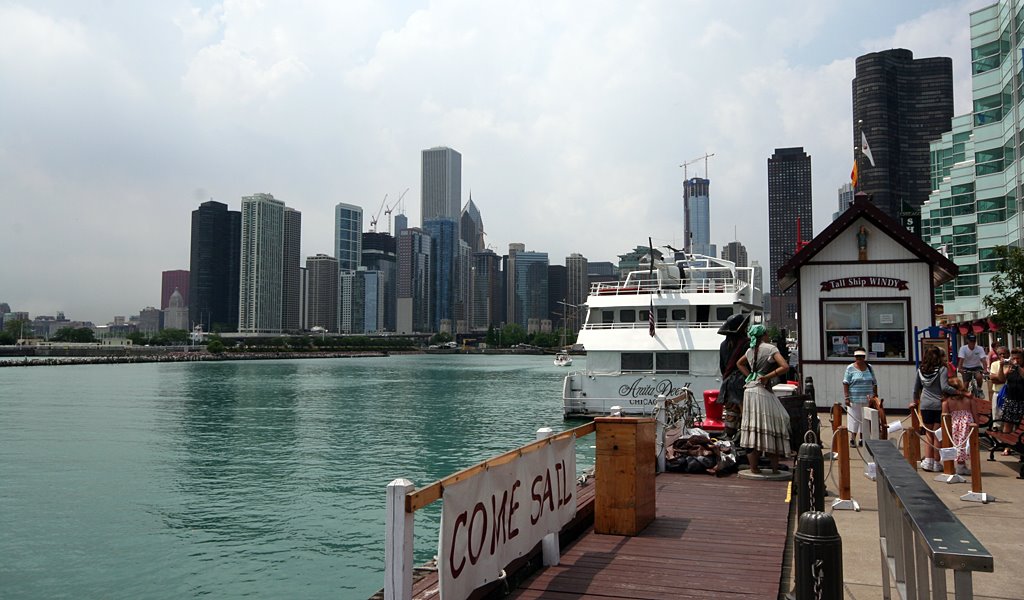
[(441, 338), (19, 328), (1006, 301), (81, 335), (215, 346), (512, 334), (491, 339)]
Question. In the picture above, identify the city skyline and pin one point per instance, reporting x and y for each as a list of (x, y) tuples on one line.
[(570, 146)]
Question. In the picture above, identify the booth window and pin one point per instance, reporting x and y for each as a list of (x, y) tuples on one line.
[(878, 326)]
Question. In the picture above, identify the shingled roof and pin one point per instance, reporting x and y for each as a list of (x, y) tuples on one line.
[(943, 269)]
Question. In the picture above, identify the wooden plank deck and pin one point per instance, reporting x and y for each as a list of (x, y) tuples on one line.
[(711, 538)]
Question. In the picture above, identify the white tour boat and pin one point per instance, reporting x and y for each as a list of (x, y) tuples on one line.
[(562, 359), (633, 358)]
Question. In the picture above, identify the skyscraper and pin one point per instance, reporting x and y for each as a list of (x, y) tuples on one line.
[(214, 267), (441, 184), (348, 236), (444, 244), (697, 191), (260, 306), (845, 196), (901, 105), (557, 294), (531, 287), (472, 226), (322, 302), (170, 281), (577, 286), (735, 252), (514, 249), (291, 295), (379, 254), (789, 203), (413, 310), (487, 290)]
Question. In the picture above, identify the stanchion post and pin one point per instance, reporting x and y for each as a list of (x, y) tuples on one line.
[(912, 442), (976, 495), (819, 557), (845, 501), (948, 471), (398, 542)]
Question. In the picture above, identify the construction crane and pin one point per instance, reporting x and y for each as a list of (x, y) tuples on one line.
[(375, 218), (687, 230), (391, 209)]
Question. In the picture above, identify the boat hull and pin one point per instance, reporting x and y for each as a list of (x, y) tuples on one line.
[(593, 394)]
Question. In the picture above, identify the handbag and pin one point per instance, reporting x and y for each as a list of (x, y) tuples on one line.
[(1000, 397)]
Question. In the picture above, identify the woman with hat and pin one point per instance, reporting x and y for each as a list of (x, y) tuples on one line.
[(859, 386), (765, 424)]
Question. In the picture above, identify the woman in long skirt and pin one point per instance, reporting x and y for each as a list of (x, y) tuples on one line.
[(765, 426)]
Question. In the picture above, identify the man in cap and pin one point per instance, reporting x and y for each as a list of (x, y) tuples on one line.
[(972, 360)]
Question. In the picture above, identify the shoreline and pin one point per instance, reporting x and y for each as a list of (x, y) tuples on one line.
[(26, 361)]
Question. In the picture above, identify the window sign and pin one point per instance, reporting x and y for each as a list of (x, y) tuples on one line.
[(880, 326)]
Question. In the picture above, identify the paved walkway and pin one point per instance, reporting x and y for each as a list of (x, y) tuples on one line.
[(999, 525)]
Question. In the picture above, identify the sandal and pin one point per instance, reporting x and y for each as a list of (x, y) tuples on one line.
[(1006, 452)]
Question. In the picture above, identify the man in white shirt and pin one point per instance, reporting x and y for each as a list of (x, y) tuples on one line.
[(972, 360)]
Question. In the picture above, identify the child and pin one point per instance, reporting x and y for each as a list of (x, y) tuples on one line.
[(962, 414)]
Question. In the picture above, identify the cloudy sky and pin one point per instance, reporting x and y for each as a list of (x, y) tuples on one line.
[(118, 118)]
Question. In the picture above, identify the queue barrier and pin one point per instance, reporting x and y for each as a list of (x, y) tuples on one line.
[(920, 539)]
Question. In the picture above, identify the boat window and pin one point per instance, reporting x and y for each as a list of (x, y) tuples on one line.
[(723, 312), (607, 316), (643, 315), (703, 313), (627, 315), (673, 362), (678, 314), (662, 315), (637, 361)]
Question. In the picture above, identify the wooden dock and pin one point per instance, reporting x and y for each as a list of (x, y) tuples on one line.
[(711, 538)]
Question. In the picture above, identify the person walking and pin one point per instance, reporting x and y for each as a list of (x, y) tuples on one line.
[(764, 428), (930, 385), (998, 369), (859, 386)]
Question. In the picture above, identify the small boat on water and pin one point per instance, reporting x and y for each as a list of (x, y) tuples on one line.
[(656, 333), (562, 359)]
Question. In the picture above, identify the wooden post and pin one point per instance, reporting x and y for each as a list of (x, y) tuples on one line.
[(912, 441), (550, 550), (845, 501), (624, 501), (398, 542), (975, 495), (837, 417)]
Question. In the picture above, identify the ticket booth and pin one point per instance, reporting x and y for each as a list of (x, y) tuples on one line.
[(865, 281)]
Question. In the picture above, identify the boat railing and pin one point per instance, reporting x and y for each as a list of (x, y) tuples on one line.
[(634, 287), (660, 325)]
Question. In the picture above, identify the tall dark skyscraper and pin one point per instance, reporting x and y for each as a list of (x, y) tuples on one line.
[(789, 199), (291, 296), (214, 267), (901, 104)]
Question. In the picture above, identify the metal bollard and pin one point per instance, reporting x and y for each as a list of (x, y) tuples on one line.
[(813, 422), (809, 479), (809, 386), (819, 557)]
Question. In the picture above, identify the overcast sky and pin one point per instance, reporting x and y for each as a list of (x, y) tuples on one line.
[(118, 118)]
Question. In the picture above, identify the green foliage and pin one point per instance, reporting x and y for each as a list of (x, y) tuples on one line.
[(18, 328), (1007, 298), (215, 346), (492, 337), (6, 339), (545, 340), (138, 338), (170, 337), (512, 334), (441, 338), (80, 335)]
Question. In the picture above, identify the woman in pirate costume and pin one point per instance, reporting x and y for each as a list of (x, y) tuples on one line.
[(765, 425)]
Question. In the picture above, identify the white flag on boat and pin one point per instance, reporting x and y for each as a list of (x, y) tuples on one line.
[(866, 149)]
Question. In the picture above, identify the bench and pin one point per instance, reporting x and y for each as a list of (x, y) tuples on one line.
[(999, 440)]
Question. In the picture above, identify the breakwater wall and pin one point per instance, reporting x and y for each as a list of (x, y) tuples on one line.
[(30, 361)]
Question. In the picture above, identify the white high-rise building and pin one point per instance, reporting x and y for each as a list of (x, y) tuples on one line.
[(441, 185), (262, 264)]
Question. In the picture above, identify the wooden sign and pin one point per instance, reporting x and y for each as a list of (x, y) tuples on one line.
[(859, 282)]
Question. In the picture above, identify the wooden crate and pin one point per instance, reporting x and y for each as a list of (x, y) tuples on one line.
[(625, 469)]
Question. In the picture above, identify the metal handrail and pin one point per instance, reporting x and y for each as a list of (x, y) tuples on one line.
[(920, 537)]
